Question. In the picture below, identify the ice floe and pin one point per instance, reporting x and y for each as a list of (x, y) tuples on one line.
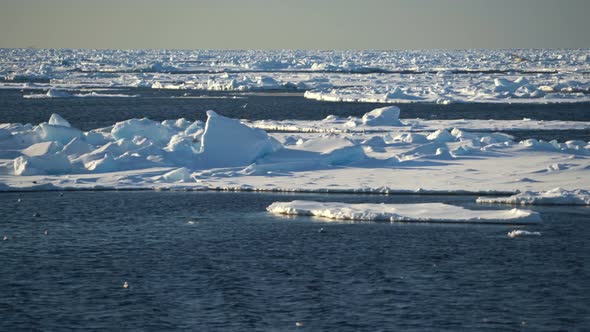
[(379, 154), (423, 212)]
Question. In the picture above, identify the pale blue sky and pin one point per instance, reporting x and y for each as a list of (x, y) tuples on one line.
[(295, 24)]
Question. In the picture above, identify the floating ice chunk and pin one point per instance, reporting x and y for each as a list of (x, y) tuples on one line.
[(556, 196), (57, 120), (384, 116), (424, 212), (182, 174), (58, 94), (519, 233), (227, 143)]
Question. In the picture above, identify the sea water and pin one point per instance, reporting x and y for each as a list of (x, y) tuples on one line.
[(216, 261)]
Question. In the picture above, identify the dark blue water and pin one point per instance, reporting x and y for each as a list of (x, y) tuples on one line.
[(91, 113), (237, 268)]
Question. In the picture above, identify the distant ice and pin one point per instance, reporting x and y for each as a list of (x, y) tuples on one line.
[(63, 94), (556, 196), (443, 77), (424, 212)]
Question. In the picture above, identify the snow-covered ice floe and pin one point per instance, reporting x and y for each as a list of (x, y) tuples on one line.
[(423, 212), (421, 76), (378, 153), (556, 196)]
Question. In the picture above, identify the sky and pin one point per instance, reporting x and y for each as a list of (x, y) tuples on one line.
[(295, 24)]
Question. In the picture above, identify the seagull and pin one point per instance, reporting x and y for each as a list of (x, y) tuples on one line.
[(245, 105), (5, 238), (299, 324), (45, 232), (125, 285)]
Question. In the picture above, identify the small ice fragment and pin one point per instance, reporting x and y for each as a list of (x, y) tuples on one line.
[(518, 232)]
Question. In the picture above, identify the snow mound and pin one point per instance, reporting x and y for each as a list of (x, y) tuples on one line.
[(228, 143), (556, 196), (424, 212), (441, 135), (384, 116), (519, 233)]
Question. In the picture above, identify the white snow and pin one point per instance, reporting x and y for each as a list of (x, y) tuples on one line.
[(556, 196), (423, 212)]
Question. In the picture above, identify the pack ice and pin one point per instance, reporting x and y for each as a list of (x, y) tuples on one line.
[(376, 153), (424, 76)]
